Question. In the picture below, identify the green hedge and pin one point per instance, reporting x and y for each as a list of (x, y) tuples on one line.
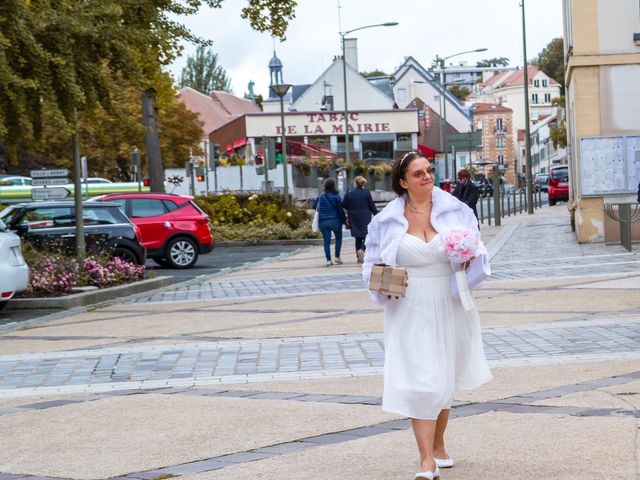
[(255, 217)]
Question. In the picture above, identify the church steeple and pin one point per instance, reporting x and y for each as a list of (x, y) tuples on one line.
[(275, 72)]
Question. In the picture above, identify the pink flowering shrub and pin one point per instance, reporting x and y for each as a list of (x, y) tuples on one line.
[(56, 274)]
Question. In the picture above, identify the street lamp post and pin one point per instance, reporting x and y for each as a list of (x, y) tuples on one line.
[(527, 129), (344, 80), (281, 90), (443, 107)]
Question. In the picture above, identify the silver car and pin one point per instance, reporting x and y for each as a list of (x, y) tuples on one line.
[(14, 272)]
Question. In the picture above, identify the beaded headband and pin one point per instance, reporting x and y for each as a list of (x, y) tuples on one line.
[(404, 157)]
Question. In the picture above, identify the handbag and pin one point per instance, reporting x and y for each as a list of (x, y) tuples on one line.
[(388, 280), (315, 224), (479, 271)]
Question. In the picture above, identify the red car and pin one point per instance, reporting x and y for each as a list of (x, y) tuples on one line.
[(558, 184), (174, 229)]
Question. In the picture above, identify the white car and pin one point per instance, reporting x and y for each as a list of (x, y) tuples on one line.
[(14, 272)]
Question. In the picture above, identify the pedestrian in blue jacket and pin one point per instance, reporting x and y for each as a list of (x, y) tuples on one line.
[(360, 208), (330, 219)]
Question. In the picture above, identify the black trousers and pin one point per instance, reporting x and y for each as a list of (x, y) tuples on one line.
[(360, 243)]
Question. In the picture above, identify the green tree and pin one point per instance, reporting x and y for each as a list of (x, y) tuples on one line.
[(551, 60), (204, 73), (559, 133), (107, 137), (52, 54), (493, 62), (374, 73), (461, 93)]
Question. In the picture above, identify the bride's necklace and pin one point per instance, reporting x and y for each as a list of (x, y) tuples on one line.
[(417, 210)]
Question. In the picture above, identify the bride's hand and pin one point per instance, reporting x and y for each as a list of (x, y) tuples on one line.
[(406, 284), (467, 265)]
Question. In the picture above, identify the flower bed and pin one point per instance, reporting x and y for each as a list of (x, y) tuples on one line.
[(54, 274), (255, 217)]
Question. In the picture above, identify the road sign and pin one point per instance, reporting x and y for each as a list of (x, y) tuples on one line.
[(39, 182), (59, 172), (56, 193)]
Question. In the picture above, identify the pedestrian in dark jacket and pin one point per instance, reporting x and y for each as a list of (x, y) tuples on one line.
[(330, 219), (466, 191), (360, 208)]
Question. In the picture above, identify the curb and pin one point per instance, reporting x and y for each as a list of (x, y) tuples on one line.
[(90, 298), (246, 243), (496, 243)]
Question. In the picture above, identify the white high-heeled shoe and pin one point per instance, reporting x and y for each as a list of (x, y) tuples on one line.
[(444, 462), (428, 475)]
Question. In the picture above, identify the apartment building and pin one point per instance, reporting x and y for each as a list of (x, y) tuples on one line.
[(496, 123)]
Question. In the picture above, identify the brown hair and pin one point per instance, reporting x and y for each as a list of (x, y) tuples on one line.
[(360, 181), (464, 173), (399, 170), (330, 186)]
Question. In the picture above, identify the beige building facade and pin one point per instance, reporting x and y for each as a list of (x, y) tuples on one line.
[(602, 48)]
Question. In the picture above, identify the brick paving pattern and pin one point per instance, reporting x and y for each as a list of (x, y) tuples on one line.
[(337, 355)]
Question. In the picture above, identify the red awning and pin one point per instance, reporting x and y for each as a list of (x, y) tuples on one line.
[(241, 142), (430, 153)]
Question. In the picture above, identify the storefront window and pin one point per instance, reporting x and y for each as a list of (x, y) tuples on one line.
[(341, 148), (382, 149), (404, 141)]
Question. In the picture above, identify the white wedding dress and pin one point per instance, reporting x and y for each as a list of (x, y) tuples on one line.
[(432, 346)]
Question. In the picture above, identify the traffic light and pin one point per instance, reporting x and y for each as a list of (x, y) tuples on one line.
[(214, 155), (199, 171), (270, 152), (146, 182)]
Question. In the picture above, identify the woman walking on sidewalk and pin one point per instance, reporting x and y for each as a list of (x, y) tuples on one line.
[(360, 208), (432, 345), (331, 218)]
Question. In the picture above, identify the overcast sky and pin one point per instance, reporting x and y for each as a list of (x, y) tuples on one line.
[(426, 28)]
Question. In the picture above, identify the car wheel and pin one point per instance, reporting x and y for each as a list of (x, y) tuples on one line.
[(552, 202), (3, 305), (125, 254), (182, 252)]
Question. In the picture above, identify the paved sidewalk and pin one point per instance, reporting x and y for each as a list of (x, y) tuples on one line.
[(274, 371)]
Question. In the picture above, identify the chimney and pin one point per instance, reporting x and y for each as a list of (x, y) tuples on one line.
[(351, 52)]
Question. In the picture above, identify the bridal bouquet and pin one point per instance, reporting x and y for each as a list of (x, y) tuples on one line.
[(461, 245)]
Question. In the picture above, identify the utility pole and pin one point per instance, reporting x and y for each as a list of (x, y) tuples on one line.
[(527, 134), (443, 119), (77, 189), (152, 141)]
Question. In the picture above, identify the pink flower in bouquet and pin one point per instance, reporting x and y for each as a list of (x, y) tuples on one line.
[(461, 245)]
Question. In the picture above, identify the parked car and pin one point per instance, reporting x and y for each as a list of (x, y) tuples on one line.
[(540, 182), (175, 231), (558, 185), (13, 180), (485, 186), (97, 180), (51, 225), (14, 272)]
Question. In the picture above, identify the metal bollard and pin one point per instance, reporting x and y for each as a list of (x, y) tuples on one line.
[(508, 205), (482, 210), (521, 201), (489, 199), (515, 209), (540, 198), (502, 194)]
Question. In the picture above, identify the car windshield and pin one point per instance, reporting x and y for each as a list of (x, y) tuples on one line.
[(561, 174), (8, 214)]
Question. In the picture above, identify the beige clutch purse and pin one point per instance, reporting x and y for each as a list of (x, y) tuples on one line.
[(388, 280)]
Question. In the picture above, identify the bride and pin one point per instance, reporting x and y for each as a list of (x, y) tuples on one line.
[(432, 345)]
